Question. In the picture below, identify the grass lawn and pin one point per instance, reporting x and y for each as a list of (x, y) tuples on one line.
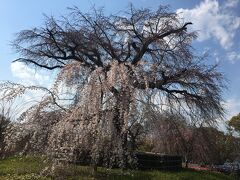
[(29, 168)]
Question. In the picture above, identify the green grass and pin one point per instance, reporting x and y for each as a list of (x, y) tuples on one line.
[(29, 168), (22, 168)]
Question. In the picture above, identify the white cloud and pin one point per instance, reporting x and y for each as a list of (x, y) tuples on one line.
[(27, 75), (216, 56), (231, 3), (213, 20), (233, 56), (233, 107)]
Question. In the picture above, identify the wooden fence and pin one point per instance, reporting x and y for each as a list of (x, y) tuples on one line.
[(158, 161)]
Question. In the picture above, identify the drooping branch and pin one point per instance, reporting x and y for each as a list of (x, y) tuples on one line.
[(12, 90)]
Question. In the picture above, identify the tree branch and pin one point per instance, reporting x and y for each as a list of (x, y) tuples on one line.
[(37, 64), (149, 40)]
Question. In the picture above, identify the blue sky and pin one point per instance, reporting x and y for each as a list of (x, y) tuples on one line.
[(217, 22)]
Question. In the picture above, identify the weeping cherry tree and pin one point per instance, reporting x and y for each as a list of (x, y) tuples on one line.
[(113, 68)]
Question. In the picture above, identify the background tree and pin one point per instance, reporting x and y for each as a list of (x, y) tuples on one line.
[(114, 66), (234, 122), (3, 125), (206, 145), (7, 113)]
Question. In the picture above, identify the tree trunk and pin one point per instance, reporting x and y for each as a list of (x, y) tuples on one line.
[(94, 169), (120, 127), (186, 161)]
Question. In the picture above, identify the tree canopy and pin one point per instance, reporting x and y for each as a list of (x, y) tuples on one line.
[(234, 122)]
